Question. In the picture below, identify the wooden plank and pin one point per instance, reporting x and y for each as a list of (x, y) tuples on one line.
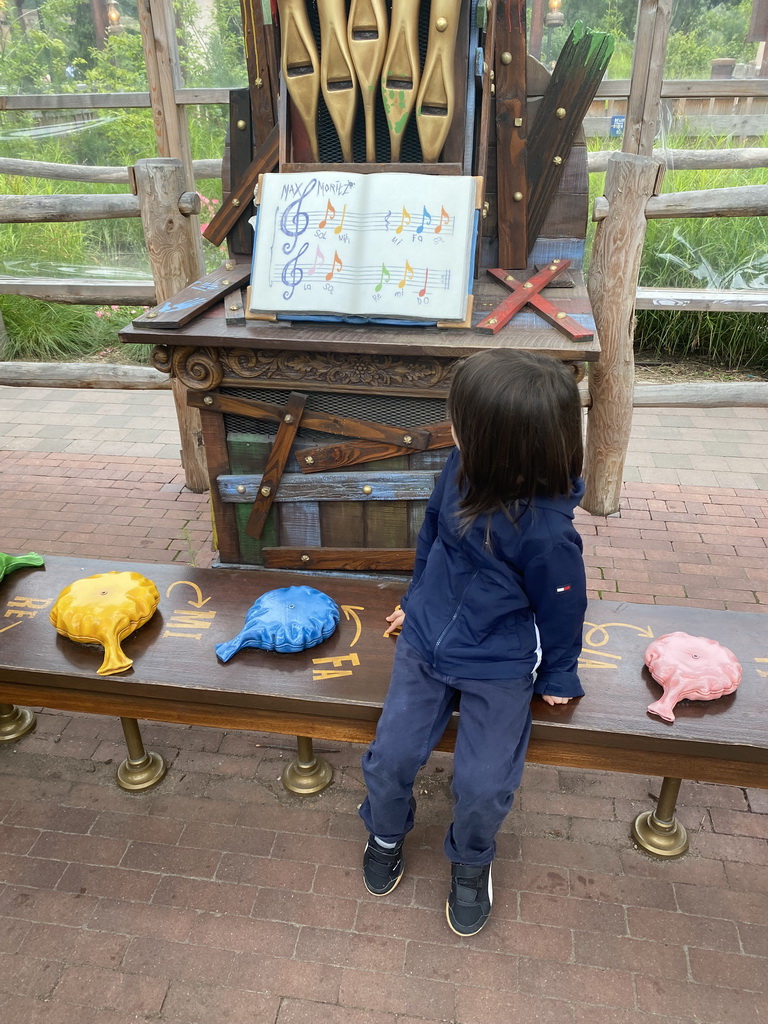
[(225, 534), (509, 59), (240, 151), (723, 740), (262, 82), (522, 292), (408, 343), (248, 454), (345, 426), (275, 465), (242, 485), (393, 168), (352, 453), (230, 212), (191, 301), (340, 559), (579, 68), (386, 522)]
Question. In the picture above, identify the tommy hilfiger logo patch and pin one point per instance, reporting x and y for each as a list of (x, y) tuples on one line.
[(562, 590)]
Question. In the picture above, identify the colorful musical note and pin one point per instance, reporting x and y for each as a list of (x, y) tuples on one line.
[(387, 215), (385, 276), (330, 214), (292, 273), (407, 274), (340, 227), (336, 265), (405, 219), (444, 219), (423, 291), (294, 221), (426, 217), (319, 260)]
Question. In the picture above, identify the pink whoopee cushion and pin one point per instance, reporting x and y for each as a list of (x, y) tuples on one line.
[(690, 668)]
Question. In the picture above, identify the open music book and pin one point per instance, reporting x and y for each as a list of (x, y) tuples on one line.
[(382, 247)]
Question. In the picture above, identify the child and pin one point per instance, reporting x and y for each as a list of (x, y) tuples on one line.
[(494, 613)]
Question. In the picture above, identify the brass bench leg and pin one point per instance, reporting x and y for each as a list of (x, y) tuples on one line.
[(141, 769), (15, 722), (659, 832), (307, 774)]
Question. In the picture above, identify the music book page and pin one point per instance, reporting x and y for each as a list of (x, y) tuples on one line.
[(379, 246)]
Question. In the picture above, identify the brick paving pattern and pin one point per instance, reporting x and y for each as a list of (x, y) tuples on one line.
[(219, 896)]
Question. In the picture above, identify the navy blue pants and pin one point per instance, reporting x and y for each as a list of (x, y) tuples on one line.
[(488, 760)]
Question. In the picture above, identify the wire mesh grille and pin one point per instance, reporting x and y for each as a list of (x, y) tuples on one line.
[(395, 410)]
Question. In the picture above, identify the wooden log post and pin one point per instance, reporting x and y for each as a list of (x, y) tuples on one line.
[(612, 284), (644, 101), (173, 244)]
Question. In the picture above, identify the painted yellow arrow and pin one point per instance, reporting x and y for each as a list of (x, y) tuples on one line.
[(350, 612), (188, 583)]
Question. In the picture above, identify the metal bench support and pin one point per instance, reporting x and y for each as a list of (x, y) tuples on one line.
[(141, 769), (15, 722), (659, 832), (308, 774)]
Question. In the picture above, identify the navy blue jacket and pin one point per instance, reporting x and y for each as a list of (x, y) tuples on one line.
[(477, 611)]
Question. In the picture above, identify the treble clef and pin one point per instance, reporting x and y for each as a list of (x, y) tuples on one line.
[(292, 273), (294, 221)]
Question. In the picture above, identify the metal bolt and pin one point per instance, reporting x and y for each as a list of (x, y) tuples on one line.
[(309, 460), (287, 418), (407, 438), (229, 265), (151, 316), (527, 285), (552, 266), (509, 278), (235, 202), (561, 316), (207, 400), (305, 558), (557, 261), (441, 24), (518, 122), (240, 488), (242, 125), (266, 491), (506, 57), (367, 489), (493, 321), (560, 112), (234, 306), (557, 160), (225, 283), (517, 196)]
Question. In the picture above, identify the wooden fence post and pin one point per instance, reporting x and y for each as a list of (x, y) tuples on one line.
[(651, 34), (612, 283), (173, 244)]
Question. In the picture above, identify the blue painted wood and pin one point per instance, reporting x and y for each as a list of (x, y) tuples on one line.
[(411, 486)]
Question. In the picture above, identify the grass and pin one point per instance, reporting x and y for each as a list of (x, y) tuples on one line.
[(717, 253)]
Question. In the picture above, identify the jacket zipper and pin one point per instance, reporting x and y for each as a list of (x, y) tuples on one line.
[(455, 614)]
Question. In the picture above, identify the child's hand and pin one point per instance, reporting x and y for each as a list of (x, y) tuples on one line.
[(395, 620), (554, 700)]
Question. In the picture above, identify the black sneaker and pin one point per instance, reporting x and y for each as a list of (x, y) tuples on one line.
[(382, 868), (469, 904)]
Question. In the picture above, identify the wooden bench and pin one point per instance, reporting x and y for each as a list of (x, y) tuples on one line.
[(335, 691)]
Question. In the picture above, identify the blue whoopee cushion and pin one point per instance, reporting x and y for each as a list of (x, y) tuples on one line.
[(287, 620)]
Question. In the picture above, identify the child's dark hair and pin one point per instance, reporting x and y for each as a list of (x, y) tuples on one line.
[(517, 418)]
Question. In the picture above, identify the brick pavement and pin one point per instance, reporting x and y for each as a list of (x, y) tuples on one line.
[(221, 897)]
